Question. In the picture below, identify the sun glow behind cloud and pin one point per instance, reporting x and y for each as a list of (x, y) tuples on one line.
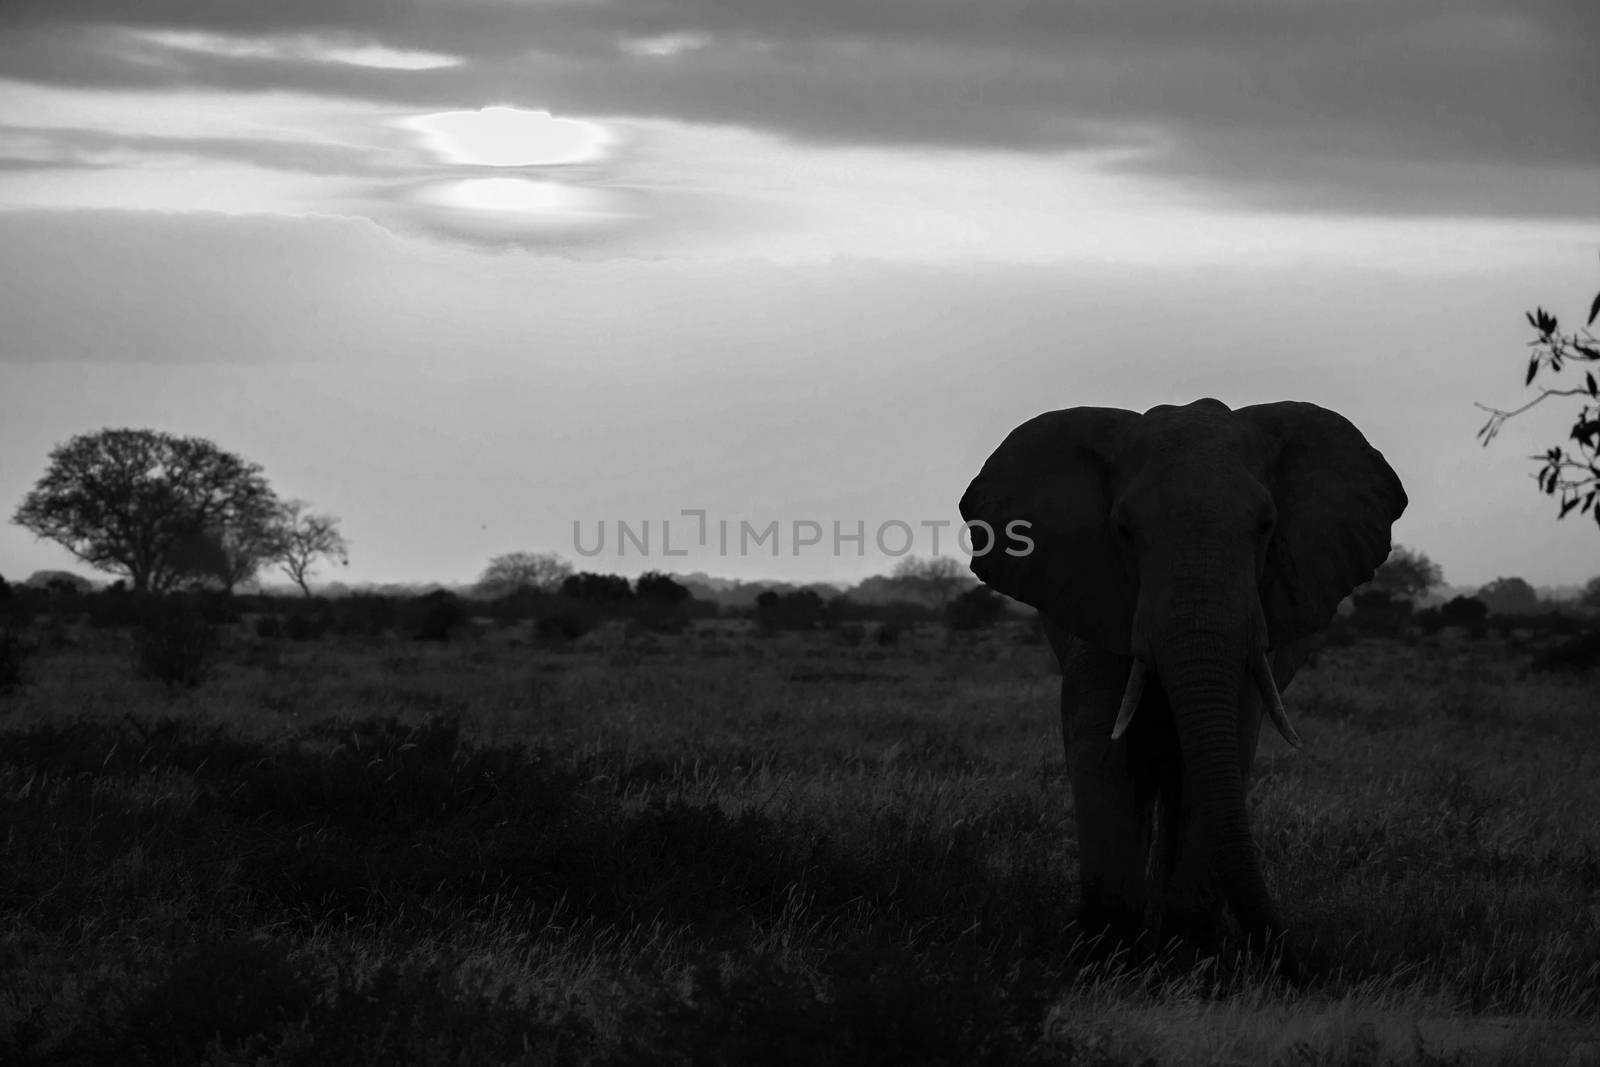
[(522, 196), (636, 187), (510, 137)]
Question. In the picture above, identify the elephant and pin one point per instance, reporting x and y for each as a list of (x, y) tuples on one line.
[(1180, 561)]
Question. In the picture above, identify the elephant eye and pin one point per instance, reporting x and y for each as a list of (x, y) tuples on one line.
[(1124, 534), (1265, 527)]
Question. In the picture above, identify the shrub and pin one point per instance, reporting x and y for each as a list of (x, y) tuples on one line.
[(1574, 654), (657, 617), (1376, 612), (659, 588), (849, 634), (599, 588), (14, 656), (174, 643), (801, 609), (303, 628), (440, 614), (565, 619), (1554, 621), (113, 608), (365, 615), (218, 608), (977, 609), (1466, 611), (269, 627)]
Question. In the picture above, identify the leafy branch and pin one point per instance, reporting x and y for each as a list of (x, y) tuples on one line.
[(1573, 475)]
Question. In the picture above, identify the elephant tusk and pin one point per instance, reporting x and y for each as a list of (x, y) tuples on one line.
[(1130, 699), (1269, 694)]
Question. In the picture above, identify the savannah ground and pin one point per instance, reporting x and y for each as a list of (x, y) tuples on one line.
[(727, 847)]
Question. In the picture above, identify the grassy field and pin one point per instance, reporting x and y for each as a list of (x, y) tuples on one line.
[(722, 847)]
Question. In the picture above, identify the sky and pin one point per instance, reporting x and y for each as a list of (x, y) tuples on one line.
[(477, 276)]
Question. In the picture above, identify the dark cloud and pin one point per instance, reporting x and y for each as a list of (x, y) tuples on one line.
[(1352, 105)]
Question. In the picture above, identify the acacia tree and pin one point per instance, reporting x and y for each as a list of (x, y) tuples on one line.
[(126, 501), (1573, 476), (229, 556), (1509, 596), (658, 588), (936, 579), (1406, 573), (515, 571), (1589, 599), (302, 538)]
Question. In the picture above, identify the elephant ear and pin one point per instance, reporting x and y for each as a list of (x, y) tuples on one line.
[(1337, 499), (1053, 472)]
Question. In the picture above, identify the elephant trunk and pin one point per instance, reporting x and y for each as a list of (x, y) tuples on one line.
[(1204, 669)]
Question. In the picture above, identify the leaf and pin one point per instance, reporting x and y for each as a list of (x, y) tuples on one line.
[(1588, 377), (1566, 506), (1533, 368), (1594, 309)]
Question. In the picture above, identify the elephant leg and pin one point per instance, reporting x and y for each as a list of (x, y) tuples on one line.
[(1113, 795)]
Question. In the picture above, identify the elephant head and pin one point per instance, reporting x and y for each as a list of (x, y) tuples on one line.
[(1192, 540)]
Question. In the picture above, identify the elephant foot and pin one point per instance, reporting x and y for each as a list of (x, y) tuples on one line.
[(1295, 967), (1198, 926), (1274, 953)]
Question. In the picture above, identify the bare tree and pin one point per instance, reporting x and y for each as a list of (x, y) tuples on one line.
[(126, 501), (1573, 476), (515, 571), (303, 538)]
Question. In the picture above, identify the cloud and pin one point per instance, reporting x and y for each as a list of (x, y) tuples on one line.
[(68, 147), (301, 47), (1356, 105)]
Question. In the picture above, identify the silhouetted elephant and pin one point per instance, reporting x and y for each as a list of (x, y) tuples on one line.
[(1181, 559)]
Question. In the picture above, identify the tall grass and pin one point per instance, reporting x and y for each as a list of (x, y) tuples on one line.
[(721, 848)]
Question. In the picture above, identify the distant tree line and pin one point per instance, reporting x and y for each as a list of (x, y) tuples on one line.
[(167, 514)]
